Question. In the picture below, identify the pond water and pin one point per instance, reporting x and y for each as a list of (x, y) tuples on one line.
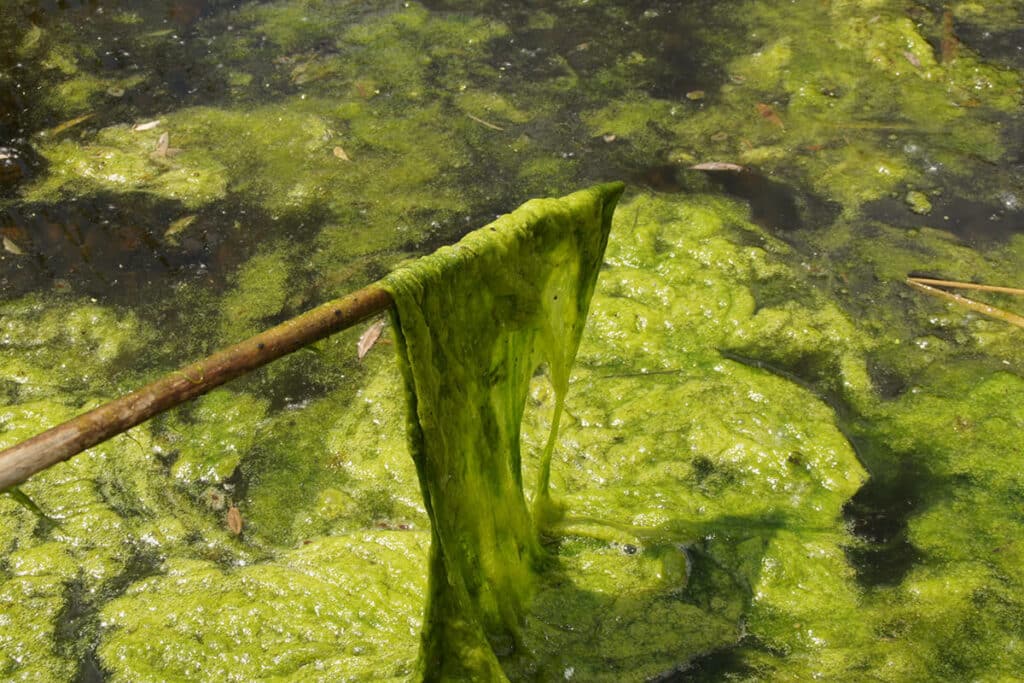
[(777, 461)]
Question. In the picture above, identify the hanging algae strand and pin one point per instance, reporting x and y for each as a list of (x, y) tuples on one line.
[(473, 322)]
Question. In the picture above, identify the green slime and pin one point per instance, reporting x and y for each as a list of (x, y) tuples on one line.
[(704, 459), (475, 322)]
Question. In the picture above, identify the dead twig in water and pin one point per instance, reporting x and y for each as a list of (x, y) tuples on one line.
[(716, 166), (67, 125), (949, 45), (926, 285), (485, 123), (954, 284)]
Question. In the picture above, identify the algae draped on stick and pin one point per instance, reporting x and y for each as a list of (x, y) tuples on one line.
[(474, 322)]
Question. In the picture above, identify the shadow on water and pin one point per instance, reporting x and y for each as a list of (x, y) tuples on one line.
[(976, 222), (1001, 44), (878, 515), (76, 636), (132, 248), (774, 205), (702, 593), (113, 246)]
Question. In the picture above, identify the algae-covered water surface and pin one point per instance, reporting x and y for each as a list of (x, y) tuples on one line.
[(775, 460)]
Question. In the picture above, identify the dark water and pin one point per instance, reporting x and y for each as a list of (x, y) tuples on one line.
[(98, 244)]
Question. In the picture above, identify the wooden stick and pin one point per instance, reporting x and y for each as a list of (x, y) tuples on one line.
[(954, 284), (59, 443), (973, 305)]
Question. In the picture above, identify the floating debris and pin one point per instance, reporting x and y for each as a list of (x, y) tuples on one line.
[(67, 125), (485, 123), (214, 498), (366, 89), (178, 226), (115, 91), (369, 338), (768, 114), (234, 519), (11, 247), (163, 144), (609, 137), (163, 147), (718, 166), (148, 125), (162, 33), (956, 284), (695, 95), (340, 153), (912, 58)]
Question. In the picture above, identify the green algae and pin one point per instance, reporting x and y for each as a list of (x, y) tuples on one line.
[(665, 415), (523, 285), (341, 608), (137, 648), (843, 111), (281, 156), (992, 15), (38, 337), (779, 568), (228, 425), (302, 461), (918, 202), (114, 513), (31, 608), (277, 152), (664, 437), (121, 160), (260, 293), (702, 465)]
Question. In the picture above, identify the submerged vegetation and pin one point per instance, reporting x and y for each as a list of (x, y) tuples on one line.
[(776, 459)]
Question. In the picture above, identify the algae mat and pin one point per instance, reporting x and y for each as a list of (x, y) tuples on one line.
[(705, 497), (775, 461)]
